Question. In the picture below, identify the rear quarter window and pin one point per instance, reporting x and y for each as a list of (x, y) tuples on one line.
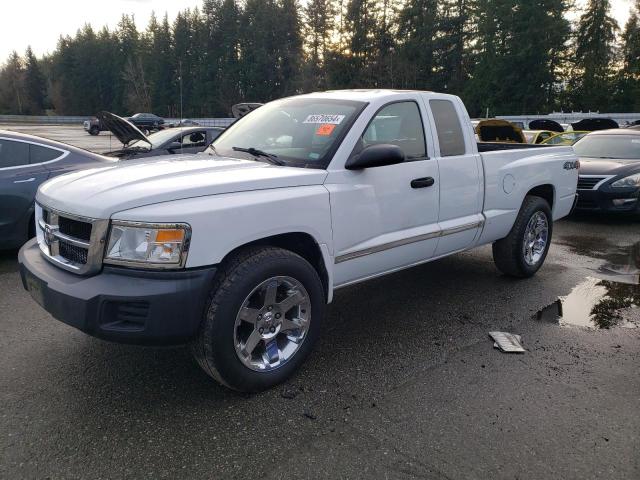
[(13, 154), (39, 154), (449, 129)]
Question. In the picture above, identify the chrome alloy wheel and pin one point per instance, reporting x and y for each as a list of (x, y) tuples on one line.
[(272, 323), (536, 237)]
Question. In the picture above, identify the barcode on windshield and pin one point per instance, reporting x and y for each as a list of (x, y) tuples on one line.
[(331, 119)]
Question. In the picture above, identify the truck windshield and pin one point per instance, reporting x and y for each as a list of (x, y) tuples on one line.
[(299, 132)]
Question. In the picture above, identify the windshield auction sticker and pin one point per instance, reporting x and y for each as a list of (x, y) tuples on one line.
[(324, 118), (325, 130)]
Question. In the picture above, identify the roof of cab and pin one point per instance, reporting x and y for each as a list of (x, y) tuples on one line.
[(366, 95)]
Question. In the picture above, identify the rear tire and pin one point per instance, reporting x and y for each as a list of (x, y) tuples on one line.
[(522, 252), (238, 310)]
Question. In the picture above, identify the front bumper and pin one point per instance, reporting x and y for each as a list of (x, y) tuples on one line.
[(603, 200), (120, 305)]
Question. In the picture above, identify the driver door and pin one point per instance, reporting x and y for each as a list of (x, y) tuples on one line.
[(386, 218)]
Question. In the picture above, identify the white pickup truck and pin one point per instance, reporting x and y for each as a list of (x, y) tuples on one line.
[(238, 250)]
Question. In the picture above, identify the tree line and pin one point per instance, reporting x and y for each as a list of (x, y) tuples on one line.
[(501, 56)]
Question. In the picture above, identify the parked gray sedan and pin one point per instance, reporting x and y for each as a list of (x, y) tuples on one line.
[(26, 161), (165, 142)]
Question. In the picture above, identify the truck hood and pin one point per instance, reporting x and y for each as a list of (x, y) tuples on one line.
[(101, 192)]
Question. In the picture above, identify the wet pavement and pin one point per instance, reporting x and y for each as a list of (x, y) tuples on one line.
[(404, 383)]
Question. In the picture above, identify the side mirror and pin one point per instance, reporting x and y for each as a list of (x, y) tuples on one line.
[(376, 156), (174, 146)]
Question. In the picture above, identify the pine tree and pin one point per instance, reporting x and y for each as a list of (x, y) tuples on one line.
[(12, 88), (516, 56), (132, 93), (228, 71), (384, 68), (319, 17), (361, 21), (628, 97), (260, 51), (35, 84), (183, 62), (417, 30), (290, 42), (452, 60), (160, 71), (594, 56)]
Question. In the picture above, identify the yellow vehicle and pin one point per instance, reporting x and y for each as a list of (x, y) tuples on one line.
[(537, 136), (566, 138)]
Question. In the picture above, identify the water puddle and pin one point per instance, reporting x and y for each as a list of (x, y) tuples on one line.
[(626, 269), (597, 303), (622, 264)]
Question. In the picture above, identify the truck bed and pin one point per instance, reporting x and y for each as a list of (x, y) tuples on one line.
[(493, 146)]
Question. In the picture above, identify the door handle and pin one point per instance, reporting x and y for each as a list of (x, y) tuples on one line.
[(422, 182), (25, 181)]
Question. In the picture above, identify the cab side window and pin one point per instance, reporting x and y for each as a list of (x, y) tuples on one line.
[(448, 126), (13, 154), (398, 124)]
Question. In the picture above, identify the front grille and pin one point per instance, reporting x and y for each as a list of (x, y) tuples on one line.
[(74, 254), (588, 183), (71, 242), (75, 228)]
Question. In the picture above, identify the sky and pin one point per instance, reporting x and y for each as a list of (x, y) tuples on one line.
[(40, 23)]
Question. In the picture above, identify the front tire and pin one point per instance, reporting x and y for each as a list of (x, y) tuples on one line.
[(522, 252), (94, 131), (264, 314)]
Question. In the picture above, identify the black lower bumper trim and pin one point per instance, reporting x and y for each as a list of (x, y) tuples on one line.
[(120, 305), (603, 201)]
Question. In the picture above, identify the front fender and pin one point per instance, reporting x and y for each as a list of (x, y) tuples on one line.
[(222, 223)]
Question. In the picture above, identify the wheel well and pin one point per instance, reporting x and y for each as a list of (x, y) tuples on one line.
[(543, 191), (299, 243)]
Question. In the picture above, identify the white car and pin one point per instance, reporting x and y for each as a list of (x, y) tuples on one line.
[(238, 250)]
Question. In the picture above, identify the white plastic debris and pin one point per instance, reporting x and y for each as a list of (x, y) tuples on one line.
[(507, 342)]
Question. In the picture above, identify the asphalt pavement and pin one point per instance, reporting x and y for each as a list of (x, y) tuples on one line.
[(404, 383)]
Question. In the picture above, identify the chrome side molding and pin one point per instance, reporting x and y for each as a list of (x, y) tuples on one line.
[(406, 241)]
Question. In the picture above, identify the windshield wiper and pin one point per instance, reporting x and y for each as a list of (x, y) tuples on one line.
[(260, 153)]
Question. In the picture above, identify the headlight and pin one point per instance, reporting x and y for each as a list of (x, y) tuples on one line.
[(626, 182), (151, 245)]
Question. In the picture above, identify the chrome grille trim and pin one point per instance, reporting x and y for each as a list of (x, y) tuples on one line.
[(50, 238), (592, 182)]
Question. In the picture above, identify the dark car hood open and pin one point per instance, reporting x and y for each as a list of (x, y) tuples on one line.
[(602, 166), (546, 124), (123, 129), (493, 130), (594, 124)]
